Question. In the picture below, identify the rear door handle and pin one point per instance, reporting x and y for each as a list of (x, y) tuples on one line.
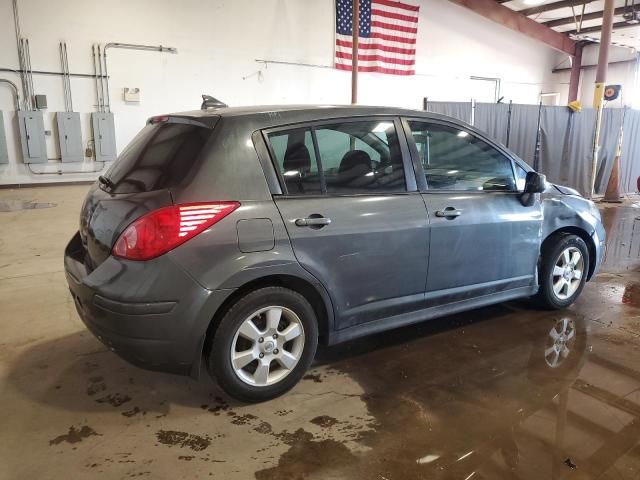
[(317, 222), (449, 213)]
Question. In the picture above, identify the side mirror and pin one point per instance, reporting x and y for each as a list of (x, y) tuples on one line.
[(535, 183)]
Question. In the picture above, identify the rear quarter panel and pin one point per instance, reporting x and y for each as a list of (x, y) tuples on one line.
[(230, 170)]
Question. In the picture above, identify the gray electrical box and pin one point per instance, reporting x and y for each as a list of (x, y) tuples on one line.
[(34, 146), (104, 135), (41, 102), (70, 136), (4, 151)]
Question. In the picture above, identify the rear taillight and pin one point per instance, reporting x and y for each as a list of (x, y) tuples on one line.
[(164, 229)]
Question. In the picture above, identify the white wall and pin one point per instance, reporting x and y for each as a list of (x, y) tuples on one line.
[(218, 42)]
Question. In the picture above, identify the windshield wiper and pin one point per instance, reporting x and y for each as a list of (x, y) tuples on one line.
[(106, 182)]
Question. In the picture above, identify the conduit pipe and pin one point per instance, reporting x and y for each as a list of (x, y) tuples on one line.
[(127, 46), (15, 91)]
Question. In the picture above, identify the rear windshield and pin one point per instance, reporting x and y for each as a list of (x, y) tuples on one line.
[(159, 157)]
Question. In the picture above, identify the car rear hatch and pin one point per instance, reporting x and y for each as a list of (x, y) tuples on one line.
[(162, 156)]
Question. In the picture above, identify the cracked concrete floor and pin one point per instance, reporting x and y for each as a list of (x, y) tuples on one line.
[(467, 397)]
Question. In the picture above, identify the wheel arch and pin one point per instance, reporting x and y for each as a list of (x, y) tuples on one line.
[(584, 235), (314, 293)]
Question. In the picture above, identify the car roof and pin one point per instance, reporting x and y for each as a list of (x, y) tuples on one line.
[(295, 113)]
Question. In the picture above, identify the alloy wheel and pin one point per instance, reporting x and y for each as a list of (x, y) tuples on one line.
[(567, 273), (267, 346)]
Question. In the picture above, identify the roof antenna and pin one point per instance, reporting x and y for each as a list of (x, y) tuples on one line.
[(209, 102)]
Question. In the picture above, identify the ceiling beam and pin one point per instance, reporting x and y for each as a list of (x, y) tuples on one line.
[(516, 21), (597, 28), (585, 17), (549, 7), (589, 67)]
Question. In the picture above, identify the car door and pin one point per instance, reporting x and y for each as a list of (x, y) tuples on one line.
[(483, 240), (354, 216)]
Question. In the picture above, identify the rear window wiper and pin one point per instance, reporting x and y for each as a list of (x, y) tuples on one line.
[(106, 182)]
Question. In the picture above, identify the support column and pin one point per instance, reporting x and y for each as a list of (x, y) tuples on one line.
[(601, 78), (354, 51), (576, 67)]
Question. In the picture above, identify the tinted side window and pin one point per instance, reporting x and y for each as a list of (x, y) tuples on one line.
[(453, 159), (361, 157), (296, 160)]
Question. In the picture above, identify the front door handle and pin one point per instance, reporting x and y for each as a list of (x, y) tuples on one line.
[(313, 222), (449, 213)]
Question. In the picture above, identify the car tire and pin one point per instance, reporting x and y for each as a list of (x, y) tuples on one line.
[(565, 257), (272, 330)]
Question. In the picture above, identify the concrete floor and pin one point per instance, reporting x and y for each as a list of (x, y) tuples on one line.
[(464, 397)]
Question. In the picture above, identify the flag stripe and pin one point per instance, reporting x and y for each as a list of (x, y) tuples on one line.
[(391, 3), (373, 58), (376, 46), (401, 56), (391, 71), (390, 26), (397, 11), (395, 16), (373, 63), (393, 38), (368, 41)]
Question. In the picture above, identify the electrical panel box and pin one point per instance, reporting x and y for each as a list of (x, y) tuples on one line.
[(104, 135), (69, 136), (4, 151), (32, 140)]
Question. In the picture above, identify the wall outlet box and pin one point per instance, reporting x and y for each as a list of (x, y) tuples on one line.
[(131, 94), (41, 101)]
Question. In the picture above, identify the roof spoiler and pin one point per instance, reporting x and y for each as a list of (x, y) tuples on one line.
[(209, 102)]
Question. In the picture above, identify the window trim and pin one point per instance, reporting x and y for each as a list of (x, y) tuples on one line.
[(420, 174), (409, 173)]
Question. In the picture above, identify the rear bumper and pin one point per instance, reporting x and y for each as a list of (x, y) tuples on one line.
[(152, 314)]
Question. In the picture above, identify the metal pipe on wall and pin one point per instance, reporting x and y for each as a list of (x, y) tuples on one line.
[(129, 46), (30, 74), (68, 77), (64, 81), (104, 108), (15, 90), (496, 88), (95, 77), (16, 22), (47, 72), (107, 80), (25, 74)]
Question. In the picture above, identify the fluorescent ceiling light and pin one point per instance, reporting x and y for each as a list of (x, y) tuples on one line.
[(463, 134)]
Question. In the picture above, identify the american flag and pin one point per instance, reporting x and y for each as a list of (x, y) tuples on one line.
[(386, 36)]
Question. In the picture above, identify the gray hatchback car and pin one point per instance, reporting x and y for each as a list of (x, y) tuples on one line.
[(238, 238)]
